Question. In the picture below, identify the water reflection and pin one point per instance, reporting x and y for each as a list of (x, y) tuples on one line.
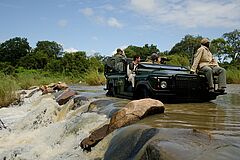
[(220, 117)]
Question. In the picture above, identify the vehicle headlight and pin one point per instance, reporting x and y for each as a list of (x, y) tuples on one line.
[(163, 84)]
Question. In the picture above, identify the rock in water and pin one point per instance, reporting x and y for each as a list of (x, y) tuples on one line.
[(132, 112), (65, 96)]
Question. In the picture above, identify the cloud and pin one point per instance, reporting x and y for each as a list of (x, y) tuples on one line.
[(107, 7), (94, 38), (113, 22), (100, 19), (188, 13), (62, 23), (70, 50), (87, 11)]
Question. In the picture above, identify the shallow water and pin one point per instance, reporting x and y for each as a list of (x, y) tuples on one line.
[(220, 116)]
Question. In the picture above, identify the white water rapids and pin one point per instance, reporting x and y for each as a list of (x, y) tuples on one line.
[(41, 129)]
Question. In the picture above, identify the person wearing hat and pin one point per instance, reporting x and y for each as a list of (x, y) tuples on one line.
[(155, 58), (205, 62), (120, 53)]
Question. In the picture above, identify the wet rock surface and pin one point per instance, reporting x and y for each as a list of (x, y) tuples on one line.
[(142, 142), (129, 114)]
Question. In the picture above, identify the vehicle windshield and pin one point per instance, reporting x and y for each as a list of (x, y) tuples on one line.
[(162, 67)]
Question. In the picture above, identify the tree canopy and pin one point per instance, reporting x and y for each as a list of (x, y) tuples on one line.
[(14, 49)]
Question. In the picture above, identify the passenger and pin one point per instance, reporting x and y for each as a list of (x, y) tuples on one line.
[(155, 58), (205, 62), (120, 53), (131, 68)]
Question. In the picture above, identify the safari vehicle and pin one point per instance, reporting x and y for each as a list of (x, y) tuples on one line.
[(167, 83)]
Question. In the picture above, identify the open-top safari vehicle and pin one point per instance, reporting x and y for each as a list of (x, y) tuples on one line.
[(164, 82)]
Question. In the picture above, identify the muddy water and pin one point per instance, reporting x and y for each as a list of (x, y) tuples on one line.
[(220, 116)]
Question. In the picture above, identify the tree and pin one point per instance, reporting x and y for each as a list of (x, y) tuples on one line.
[(218, 48), (233, 44), (143, 52), (75, 63), (13, 49), (52, 49), (187, 46)]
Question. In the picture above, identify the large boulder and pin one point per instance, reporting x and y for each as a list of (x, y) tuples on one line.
[(132, 112)]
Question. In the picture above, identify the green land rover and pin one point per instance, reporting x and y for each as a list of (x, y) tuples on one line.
[(167, 83)]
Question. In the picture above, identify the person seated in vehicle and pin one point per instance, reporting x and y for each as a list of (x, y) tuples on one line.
[(156, 59), (120, 53), (131, 68), (204, 62), (118, 57)]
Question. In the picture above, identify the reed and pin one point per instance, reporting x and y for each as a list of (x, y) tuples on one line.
[(95, 78), (233, 76), (8, 88)]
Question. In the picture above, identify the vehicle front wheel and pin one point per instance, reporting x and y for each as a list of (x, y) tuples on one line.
[(111, 91), (142, 92)]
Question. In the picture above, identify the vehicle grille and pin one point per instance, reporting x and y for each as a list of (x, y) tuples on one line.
[(186, 82), (186, 86)]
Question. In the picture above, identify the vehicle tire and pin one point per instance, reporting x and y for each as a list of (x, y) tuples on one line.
[(143, 92), (110, 92)]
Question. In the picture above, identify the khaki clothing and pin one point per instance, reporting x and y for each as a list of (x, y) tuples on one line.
[(203, 57), (209, 71), (204, 62)]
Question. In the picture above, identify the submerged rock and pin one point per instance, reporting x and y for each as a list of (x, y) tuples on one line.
[(131, 113), (141, 142)]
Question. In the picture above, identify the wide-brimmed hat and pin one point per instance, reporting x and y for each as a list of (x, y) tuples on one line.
[(205, 41)]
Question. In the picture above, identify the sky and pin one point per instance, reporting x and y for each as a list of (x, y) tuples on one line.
[(104, 25)]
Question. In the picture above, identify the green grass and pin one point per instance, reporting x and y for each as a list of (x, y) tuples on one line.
[(94, 78), (233, 76), (25, 79), (8, 88)]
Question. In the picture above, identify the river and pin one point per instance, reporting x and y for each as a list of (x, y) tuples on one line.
[(41, 129)]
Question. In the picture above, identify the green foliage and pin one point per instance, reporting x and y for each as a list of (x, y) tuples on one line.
[(52, 49), (14, 49), (143, 52), (7, 68), (181, 60), (94, 78), (75, 63), (8, 89), (95, 64), (232, 45), (187, 46), (217, 47), (233, 76)]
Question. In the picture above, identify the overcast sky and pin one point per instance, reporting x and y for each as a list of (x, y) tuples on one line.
[(104, 25)]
